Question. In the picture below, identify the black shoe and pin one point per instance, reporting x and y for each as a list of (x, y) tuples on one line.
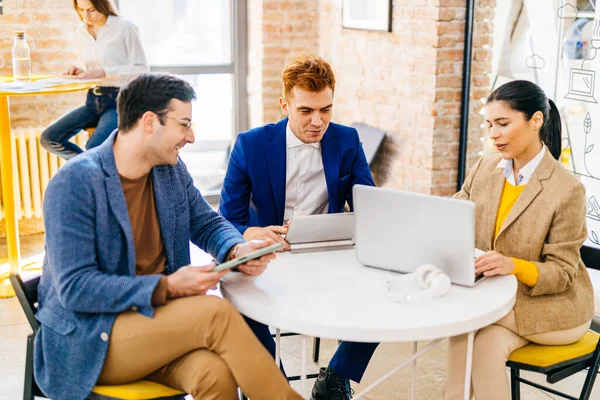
[(331, 386)]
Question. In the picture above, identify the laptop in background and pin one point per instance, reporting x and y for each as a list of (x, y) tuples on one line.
[(400, 231), (321, 232)]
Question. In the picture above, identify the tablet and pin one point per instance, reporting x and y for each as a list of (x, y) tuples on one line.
[(321, 228), (247, 257)]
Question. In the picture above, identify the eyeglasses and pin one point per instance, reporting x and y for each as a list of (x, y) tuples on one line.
[(185, 124)]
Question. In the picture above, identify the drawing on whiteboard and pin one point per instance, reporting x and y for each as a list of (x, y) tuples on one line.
[(567, 11), (595, 42), (585, 165), (587, 128), (593, 238), (581, 85), (593, 51), (535, 62), (593, 208)]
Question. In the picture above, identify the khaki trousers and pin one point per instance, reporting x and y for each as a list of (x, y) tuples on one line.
[(200, 345), (491, 348)]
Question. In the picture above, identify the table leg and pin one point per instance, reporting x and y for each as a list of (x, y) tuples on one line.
[(303, 365), (379, 381), (414, 373), (468, 367), (278, 347), (8, 196)]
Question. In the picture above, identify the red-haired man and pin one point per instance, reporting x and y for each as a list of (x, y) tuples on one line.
[(304, 164)]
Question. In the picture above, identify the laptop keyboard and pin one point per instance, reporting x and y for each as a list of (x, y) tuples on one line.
[(478, 277)]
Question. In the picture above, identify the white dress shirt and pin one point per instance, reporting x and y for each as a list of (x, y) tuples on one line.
[(305, 188), (525, 172), (117, 48)]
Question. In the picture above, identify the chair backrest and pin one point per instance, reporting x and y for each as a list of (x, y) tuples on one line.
[(590, 257), (371, 139), (27, 293)]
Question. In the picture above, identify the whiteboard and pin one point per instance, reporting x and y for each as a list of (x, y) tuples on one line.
[(578, 96)]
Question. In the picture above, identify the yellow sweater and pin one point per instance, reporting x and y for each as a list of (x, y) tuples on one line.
[(525, 271)]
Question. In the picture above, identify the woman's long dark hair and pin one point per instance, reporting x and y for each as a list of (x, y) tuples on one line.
[(105, 7), (528, 98)]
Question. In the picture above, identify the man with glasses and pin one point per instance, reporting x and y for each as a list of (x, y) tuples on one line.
[(118, 301)]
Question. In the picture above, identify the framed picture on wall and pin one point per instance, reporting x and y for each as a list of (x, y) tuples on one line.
[(374, 15)]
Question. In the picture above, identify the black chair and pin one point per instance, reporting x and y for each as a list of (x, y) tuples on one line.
[(27, 294), (591, 259)]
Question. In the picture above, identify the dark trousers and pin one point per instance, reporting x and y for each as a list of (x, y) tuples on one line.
[(99, 112), (350, 359)]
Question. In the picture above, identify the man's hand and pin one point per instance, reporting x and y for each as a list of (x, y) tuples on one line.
[(192, 281), (273, 232), (91, 73), (493, 263), (258, 265), (73, 70)]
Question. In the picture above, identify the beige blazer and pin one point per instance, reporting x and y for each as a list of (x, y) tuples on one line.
[(546, 226)]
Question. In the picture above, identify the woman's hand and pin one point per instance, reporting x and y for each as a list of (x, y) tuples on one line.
[(93, 73), (74, 70), (493, 263)]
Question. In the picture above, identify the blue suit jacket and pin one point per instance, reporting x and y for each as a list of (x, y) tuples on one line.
[(89, 269), (253, 193)]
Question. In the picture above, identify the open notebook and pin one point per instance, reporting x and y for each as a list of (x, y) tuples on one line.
[(321, 232)]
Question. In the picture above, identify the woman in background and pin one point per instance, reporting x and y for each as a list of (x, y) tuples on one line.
[(111, 51), (530, 220)]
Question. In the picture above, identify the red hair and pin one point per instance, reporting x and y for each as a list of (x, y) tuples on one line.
[(308, 73)]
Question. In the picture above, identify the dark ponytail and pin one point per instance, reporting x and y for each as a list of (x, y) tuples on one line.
[(551, 130), (528, 98)]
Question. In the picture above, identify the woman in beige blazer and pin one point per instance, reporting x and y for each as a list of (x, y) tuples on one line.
[(530, 220)]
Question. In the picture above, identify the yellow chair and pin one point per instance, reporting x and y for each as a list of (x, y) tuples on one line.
[(557, 363), (142, 390)]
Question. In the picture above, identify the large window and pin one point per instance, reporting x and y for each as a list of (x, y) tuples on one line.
[(203, 42)]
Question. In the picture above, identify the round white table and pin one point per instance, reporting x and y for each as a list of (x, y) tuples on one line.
[(331, 295)]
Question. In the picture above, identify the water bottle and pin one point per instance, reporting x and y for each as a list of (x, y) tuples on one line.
[(21, 58)]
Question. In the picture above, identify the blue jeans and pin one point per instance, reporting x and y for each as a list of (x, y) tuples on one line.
[(99, 111), (350, 359)]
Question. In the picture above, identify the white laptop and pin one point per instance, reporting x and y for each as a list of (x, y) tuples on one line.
[(399, 231), (320, 232)]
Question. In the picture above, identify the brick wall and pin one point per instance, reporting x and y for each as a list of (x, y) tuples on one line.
[(49, 25), (279, 30), (406, 82), (448, 89)]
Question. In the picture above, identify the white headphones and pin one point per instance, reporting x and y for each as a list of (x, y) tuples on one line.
[(432, 281)]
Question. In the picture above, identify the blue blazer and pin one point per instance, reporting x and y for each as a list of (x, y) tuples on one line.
[(253, 193), (89, 269)]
